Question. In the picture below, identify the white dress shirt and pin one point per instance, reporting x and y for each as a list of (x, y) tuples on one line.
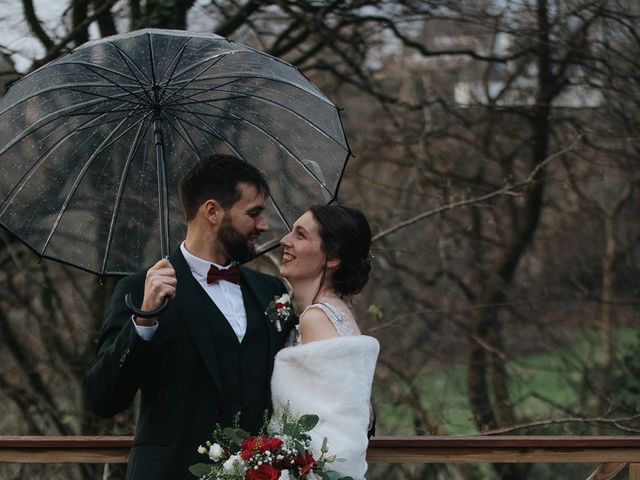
[(226, 295)]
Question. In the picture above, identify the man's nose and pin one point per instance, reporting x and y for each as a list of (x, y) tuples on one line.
[(262, 225)]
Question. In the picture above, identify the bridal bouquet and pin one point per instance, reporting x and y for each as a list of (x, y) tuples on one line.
[(280, 452)]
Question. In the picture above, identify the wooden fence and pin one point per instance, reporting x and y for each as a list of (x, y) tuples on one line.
[(611, 454)]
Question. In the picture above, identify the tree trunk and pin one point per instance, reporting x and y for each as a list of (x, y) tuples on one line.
[(79, 14)]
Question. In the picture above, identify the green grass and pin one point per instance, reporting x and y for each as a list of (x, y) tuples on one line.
[(542, 387)]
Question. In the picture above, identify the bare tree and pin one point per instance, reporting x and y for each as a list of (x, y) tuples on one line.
[(496, 148)]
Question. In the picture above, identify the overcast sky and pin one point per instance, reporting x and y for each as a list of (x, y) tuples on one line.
[(15, 34), (17, 38)]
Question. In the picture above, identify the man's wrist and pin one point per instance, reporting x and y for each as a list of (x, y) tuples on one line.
[(146, 332), (144, 322)]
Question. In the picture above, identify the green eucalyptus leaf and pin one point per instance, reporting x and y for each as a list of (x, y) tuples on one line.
[(331, 475), (299, 447), (229, 432), (307, 422), (200, 469), (289, 429), (235, 435)]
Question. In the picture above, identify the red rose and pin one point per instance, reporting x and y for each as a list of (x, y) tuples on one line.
[(261, 443), (273, 444), (306, 463), (247, 447), (279, 306), (263, 472)]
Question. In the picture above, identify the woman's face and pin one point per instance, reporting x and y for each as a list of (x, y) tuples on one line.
[(303, 258)]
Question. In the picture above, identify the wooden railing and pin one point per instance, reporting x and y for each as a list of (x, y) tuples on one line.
[(612, 454)]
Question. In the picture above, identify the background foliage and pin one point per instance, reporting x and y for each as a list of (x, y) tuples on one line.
[(497, 157)]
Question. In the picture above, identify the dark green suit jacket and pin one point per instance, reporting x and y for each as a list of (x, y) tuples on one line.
[(178, 372)]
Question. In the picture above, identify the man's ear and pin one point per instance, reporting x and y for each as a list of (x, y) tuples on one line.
[(212, 211)]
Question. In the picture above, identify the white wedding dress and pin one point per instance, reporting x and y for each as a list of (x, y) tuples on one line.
[(332, 379)]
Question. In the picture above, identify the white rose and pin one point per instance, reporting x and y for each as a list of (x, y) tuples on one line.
[(283, 299), (284, 475), (216, 452), (234, 464)]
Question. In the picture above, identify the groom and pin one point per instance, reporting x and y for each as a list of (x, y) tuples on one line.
[(209, 354)]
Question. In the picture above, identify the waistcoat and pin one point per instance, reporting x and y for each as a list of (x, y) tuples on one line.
[(244, 372)]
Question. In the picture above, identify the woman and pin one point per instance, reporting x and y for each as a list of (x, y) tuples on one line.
[(329, 369)]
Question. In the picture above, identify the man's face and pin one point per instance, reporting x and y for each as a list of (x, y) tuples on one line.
[(243, 223)]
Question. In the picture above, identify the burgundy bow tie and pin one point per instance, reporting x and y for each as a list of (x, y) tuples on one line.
[(231, 274)]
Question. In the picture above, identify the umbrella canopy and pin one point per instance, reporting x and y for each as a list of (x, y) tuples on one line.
[(93, 145)]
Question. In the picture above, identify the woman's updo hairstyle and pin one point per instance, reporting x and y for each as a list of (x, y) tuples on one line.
[(345, 235)]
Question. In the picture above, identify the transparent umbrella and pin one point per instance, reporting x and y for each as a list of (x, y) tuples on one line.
[(93, 144)]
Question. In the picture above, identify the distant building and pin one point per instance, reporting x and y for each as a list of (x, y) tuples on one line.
[(465, 81)]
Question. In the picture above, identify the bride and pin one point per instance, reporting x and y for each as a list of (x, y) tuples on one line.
[(329, 369)]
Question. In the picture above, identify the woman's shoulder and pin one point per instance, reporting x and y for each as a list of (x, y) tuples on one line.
[(330, 310), (315, 324), (335, 317)]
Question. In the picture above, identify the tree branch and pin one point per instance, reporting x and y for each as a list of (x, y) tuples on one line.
[(55, 50), (235, 22), (35, 24), (508, 189), (617, 422)]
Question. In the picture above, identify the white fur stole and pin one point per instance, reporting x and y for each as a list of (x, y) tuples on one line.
[(332, 379)]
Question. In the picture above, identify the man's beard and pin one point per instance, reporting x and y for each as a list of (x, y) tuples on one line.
[(235, 243)]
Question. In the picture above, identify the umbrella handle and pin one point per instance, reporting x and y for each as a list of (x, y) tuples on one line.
[(144, 313)]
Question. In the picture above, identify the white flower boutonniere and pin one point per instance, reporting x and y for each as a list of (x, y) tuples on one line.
[(279, 310)]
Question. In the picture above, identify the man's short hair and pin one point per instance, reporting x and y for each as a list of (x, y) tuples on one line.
[(217, 177)]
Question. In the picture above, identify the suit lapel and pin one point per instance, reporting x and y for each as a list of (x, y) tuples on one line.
[(198, 313), (255, 302)]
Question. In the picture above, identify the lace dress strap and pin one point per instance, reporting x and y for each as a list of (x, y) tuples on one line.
[(338, 317)]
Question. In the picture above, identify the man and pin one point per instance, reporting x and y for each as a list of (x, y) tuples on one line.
[(209, 355)]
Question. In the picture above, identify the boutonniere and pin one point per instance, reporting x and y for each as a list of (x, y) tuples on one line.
[(279, 310)]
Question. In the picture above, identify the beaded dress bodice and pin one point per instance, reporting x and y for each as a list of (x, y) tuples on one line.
[(338, 319)]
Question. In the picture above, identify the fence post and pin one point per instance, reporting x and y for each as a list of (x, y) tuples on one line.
[(606, 471)]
